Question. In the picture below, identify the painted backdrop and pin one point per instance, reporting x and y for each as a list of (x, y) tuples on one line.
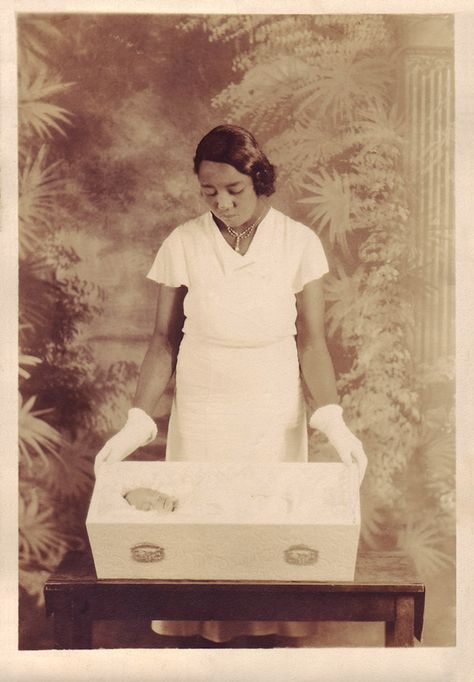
[(356, 113)]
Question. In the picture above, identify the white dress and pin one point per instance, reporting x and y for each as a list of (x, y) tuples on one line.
[(238, 389)]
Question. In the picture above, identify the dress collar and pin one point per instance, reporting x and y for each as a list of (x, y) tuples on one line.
[(231, 260)]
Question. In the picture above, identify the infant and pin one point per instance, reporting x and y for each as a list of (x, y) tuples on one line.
[(147, 499)]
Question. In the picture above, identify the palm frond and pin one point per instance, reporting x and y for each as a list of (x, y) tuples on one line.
[(36, 35), (39, 186), (330, 203), (381, 126), (266, 89), (40, 541), (38, 294), (439, 455), (28, 361), (420, 539), (43, 117), (36, 81), (300, 147), (344, 82), (38, 440), (72, 474), (342, 292), (35, 85)]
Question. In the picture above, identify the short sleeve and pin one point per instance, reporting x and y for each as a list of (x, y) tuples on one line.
[(169, 266), (312, 261)]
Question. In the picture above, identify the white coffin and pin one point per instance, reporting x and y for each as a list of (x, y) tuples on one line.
[(285, 521)]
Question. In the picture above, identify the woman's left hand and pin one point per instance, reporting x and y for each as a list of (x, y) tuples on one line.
[(349, 448), (328, 419)]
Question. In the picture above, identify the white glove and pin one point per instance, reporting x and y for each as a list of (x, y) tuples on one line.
[(328, 419), (139, 430)]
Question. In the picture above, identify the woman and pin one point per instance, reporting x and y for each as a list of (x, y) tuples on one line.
[(240, 316)]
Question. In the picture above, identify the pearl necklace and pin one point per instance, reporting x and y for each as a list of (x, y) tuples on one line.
[(241, 235)]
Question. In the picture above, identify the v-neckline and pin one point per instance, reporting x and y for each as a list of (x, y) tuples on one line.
[(242, 257)]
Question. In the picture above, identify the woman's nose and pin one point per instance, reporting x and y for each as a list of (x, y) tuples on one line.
[(223, 201)]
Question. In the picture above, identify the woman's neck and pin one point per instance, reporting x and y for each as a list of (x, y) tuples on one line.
[(257, 217)]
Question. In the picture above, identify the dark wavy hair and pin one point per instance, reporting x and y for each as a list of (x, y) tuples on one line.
[(236, 146)]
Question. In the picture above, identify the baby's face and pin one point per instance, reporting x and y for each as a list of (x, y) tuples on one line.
[(147, 499)]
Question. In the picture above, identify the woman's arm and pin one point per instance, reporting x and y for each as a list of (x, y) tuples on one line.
[(318, 373), (315, 361), (159, 362), (156, 370)]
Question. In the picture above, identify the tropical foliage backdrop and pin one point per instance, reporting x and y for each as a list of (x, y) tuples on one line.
[(110, 109)]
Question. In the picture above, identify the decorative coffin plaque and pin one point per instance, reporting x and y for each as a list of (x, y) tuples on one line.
[(288, 521)]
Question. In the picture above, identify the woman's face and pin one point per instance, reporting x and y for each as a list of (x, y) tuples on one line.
[(229, 193)]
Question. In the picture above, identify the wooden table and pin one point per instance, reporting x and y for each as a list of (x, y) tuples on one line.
[(385, 589)]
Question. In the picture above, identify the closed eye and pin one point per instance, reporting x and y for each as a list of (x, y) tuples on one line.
[(231, 192)]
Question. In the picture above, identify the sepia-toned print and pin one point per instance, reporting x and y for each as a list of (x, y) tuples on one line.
[(352, 116)]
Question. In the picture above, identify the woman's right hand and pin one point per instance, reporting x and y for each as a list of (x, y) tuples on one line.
[(139, 430)]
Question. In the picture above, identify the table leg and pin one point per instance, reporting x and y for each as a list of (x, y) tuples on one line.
[(400, 632), (72, 626)]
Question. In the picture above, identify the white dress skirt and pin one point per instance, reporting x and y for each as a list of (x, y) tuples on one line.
[(238, 388), (236, 404)]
